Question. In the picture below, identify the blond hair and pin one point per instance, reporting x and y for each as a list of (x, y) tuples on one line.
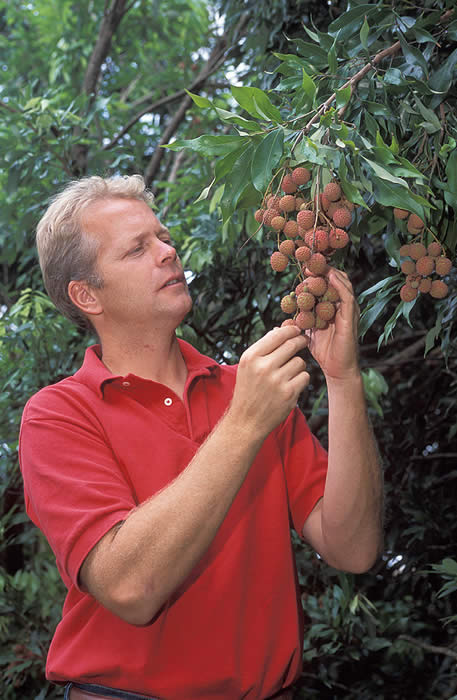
[(65, 251)]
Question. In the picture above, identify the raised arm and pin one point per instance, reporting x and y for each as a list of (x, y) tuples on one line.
[(136, 566), (345, 527)]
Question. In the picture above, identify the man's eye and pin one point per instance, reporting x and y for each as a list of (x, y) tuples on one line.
[(138, 249)]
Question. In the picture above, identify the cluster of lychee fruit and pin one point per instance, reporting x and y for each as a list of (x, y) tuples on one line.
[(309, 230), (423, 266)]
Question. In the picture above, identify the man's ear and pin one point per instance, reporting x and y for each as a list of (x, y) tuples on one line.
[(84, 297)]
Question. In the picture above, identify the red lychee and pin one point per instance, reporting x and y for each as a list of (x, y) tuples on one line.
[(317, 264), (332, 191), (342, 217), (439, 289), (279, 261), (443, 266), (407, 293), (287, 203), (287, 247), (305, 320), (288, 185), (425, 265), (317, 285), (291, 228), (300, 176), (338, 238), (400, 213), (303, 253), (288, 304), (325, 310), (306, 301), (305, 218), (417, 250)]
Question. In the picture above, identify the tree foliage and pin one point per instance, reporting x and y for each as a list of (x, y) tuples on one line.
[(212, 101)]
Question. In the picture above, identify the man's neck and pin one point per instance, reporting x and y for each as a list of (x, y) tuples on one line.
[(157, 358)]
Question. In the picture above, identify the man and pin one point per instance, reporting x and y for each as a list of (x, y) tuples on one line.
[(166, 484)]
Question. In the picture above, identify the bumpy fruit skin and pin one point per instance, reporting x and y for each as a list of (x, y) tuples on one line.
[(320, 323), (332, 191), (258, 216), (407, 293), (269, 215), (317, 264), (317, 286), (404, 250), (277, 223), (273, 201), (301, 176), (325, 310), (291, 228), (408, 267), (338, 238), (288, 185), (415, 222), (439, 289), (305, 218), (425, 285), (417, 250), (288, 322), (306, 301), (287, 203), (279, 261), (305, 320), (331, 294), (443, 266), (400, 213), (324, 202), (342, 217), (299, 203), (434, 249), (287, 247), (288, 304), (300, 288), (303, 253), (425, 266), (321, 240)]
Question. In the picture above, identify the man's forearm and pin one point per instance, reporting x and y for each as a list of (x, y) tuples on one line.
[(353, 502), (162, 540)]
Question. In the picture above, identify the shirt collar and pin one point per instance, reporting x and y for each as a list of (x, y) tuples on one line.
[(95, 375)]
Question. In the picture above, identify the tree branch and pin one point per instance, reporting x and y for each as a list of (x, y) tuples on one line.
[(429, 647), (110, 22)]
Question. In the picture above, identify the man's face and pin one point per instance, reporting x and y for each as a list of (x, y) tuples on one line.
[(143, 279)]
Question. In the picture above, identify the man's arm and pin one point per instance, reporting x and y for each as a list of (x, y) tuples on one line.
[(136, 566), (345, 527)]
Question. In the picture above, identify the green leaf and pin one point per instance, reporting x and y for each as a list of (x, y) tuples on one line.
[(343, 96), (390, 195), (266, 157), (209, 145), (332, 61), (414, 56), (253, 99), (433, 333), (350, 21), (308, 86), (364, 31), (200, 101), (231, 118), (225, 165), (442, 79), (385, 174)]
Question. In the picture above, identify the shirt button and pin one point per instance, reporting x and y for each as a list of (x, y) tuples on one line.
[(168, 401), (125, 383)]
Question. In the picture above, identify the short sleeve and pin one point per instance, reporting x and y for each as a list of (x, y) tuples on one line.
[(75, 491), (305, 466)]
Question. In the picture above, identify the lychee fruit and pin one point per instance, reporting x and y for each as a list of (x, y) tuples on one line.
[(303, 253), (332, 191), (305, 320), (277, 223), (279, 261), (317, 285), (425, 265), (325, 310), (407, 293), (404, 250), (416, 222), (288, 322), (269, 215), (291, 228), (300, 288), (342, 217), (258, 216), (300, 176), (324, 202), (299, 202), (443, 266), (305, 218), (287, 203), (317, 264), (289, 304), (338, 238), (287, 247), (400, 213), (417, 250), (434, 249), (273, 201), (439, 289), (408, 267), (306, 301), (288, 185), (425, 285), (331, 294)]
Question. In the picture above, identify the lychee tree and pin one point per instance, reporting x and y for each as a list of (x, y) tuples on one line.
[(368, 108)]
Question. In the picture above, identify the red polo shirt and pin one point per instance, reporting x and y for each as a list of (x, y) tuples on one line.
[(94, 446)]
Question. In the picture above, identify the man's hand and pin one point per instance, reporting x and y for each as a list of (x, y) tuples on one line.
[(270, 379), (335, 347)]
